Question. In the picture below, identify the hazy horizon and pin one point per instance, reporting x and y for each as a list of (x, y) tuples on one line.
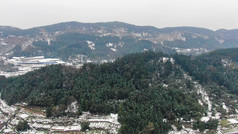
[(210, 14), (116, 21)]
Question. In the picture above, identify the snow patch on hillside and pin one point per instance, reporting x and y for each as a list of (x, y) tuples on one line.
[(113, 46), (26, 44), (225, 107), (73, 107), (91, 45), (121, 44), (6, 108), (221, 41), (200, 102), (48, 41), (113, 49), (186, 76), (166, 59), (4, 44), (226, 62), (109, 44), (172, 60), (205, 100), (205, 97), (145, 49)]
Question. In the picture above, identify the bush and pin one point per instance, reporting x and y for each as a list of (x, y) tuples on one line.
[(84, 126), (211, 125), (22, 126)]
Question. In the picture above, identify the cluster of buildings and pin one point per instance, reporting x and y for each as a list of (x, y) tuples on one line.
[(10, 116), (23, 65)]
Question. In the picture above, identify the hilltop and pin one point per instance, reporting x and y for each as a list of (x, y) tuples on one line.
[(151, 92)]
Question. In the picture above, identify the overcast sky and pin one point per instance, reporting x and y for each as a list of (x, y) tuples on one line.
[(212, 14)]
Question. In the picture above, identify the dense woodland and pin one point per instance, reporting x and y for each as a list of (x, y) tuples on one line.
[(148, 90), (220, 67), (217, 71)]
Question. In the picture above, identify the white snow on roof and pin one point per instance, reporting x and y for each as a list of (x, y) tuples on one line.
[(24, 116), (61, 128), (14, 121), (8, 130), (233, 121), (205, 119), (112, 119), (114, 116), (73, 128)]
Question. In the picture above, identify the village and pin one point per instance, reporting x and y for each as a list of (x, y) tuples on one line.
[(10, 116)]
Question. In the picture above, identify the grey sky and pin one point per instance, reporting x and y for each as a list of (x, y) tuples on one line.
[(212, 14)]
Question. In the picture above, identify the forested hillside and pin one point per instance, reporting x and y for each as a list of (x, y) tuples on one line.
[(218, 67), (217, 71), (69, 45), (150, 91)]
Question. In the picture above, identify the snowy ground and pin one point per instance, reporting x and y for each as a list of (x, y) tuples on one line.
[(27, 64)]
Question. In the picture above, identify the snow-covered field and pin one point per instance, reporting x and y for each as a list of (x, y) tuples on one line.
[(27, 64)]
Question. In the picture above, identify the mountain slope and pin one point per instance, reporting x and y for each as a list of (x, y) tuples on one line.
[(147, 88), (150, 91), (127, 39), (217, 72)]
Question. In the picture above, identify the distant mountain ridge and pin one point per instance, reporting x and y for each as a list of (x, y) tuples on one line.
[(106, 41), (73, 25)]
